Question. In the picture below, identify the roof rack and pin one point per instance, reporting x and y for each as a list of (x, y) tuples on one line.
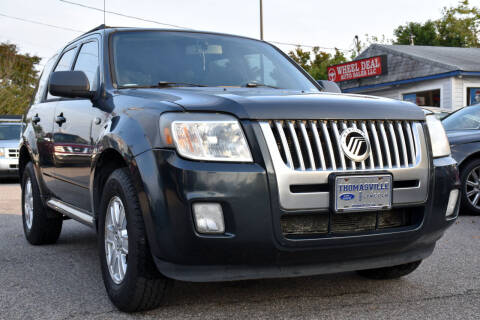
[(100, 27)]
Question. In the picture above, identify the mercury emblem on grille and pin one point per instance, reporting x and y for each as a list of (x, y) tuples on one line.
[(355, 144)]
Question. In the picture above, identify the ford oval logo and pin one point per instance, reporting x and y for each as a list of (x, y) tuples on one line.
[(347, 196)]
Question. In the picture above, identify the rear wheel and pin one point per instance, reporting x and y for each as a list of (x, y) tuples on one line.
[(39, 225), (129, 273), (390, 272), (470, 177)]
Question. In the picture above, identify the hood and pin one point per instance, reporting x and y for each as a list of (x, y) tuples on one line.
[(265, 104), (463, 136), (10, 144)]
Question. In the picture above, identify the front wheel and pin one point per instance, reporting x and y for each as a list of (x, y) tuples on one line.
[(470, 178), (390, 272), (129, 273)]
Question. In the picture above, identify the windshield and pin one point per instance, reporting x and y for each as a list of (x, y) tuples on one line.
[(147, 58), (467, 118), (9, 132)]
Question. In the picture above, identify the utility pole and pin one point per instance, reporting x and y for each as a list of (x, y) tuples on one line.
[(261, 20)]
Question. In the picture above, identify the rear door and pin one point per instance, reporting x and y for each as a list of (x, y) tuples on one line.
[(41, 117), (75, 119)]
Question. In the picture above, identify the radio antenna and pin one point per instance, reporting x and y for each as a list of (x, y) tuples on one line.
[(104, 24)]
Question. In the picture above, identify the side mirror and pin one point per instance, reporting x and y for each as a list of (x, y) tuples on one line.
[(329, 86), (70, 84)]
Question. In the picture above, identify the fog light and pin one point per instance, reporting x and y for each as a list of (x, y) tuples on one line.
[(452, 202), (208, 217)]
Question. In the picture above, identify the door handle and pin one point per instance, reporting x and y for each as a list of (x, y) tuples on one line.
[(60, 119), (35, 119)]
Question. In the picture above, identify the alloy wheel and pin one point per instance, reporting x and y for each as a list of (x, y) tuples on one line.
[(472, 187), (116, 240), (28, 203)]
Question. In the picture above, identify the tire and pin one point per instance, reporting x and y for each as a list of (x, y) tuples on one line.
[(141, 287), (39, 226), (468, 172), (394, 272)]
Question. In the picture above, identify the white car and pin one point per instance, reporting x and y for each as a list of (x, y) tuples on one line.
[(10, 128)]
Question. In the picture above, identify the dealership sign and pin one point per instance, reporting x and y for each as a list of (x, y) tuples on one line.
[(363, 68)]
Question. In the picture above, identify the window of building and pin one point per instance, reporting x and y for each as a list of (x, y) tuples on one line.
[(424, 98), (473, 96)]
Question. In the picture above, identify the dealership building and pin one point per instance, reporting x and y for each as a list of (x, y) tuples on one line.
[(445, 77)]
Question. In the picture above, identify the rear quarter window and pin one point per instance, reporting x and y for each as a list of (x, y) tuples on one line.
[(42, 83)]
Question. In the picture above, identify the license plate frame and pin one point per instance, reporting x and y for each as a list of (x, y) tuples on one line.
[(379, 199)]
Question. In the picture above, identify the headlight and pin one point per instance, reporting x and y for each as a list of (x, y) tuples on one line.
[(2, 152), (438, 137), (207, 137)]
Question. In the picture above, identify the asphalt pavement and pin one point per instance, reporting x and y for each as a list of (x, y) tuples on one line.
[(63, 281)]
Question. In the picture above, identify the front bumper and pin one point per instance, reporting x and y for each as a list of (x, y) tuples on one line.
[(8, 167), (253, 245)]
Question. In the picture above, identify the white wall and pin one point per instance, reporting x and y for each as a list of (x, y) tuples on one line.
[(446, 86), (461, 86)]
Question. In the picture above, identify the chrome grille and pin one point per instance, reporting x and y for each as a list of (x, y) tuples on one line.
[(307, 152), (315, 145), (13, 153)]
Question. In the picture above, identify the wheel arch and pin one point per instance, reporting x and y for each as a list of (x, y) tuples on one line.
[(24, 158), (463, 162)]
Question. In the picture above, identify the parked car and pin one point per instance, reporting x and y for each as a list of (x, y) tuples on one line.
[(463, 131), (10, 128), (214, 157), (440, 113)]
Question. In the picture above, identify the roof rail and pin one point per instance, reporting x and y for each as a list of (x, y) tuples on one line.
[(100, 27)]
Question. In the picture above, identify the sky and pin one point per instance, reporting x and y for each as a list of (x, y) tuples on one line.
[(308, 22)]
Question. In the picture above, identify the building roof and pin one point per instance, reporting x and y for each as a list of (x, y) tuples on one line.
[(417, 62), (454, 58)]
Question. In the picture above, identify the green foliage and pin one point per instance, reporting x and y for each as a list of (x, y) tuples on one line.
[(425, 34), (18, 78), (316, 62), (458, 27)]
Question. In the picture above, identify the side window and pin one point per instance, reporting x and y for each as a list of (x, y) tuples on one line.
[(66, 60), (64, 64), (87, 62), (42, 83)]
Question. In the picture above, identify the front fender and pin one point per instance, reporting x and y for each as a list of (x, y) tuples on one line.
[(461, 152), (131, 139)]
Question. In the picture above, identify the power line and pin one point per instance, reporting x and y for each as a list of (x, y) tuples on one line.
[(145, 20), (182, 27), (308, 46), (124, 15), (39, 23)]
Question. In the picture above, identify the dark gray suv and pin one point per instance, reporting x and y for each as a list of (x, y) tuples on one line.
[(209, 157)]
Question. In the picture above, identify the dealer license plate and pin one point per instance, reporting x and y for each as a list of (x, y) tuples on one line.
[(362, 193)]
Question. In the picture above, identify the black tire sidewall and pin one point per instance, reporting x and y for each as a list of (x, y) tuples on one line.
[(26, 175), (119, 293), (44, 230), (465, 171)]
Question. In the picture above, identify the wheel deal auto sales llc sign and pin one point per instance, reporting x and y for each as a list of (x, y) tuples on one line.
[(363, 68)]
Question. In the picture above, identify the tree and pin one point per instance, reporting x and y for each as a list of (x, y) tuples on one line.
[(18, 78), (317, 65), (458, 27), (425, 34)]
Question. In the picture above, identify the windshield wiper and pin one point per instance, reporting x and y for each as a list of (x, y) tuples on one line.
[(165, 84), (254, 84)]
